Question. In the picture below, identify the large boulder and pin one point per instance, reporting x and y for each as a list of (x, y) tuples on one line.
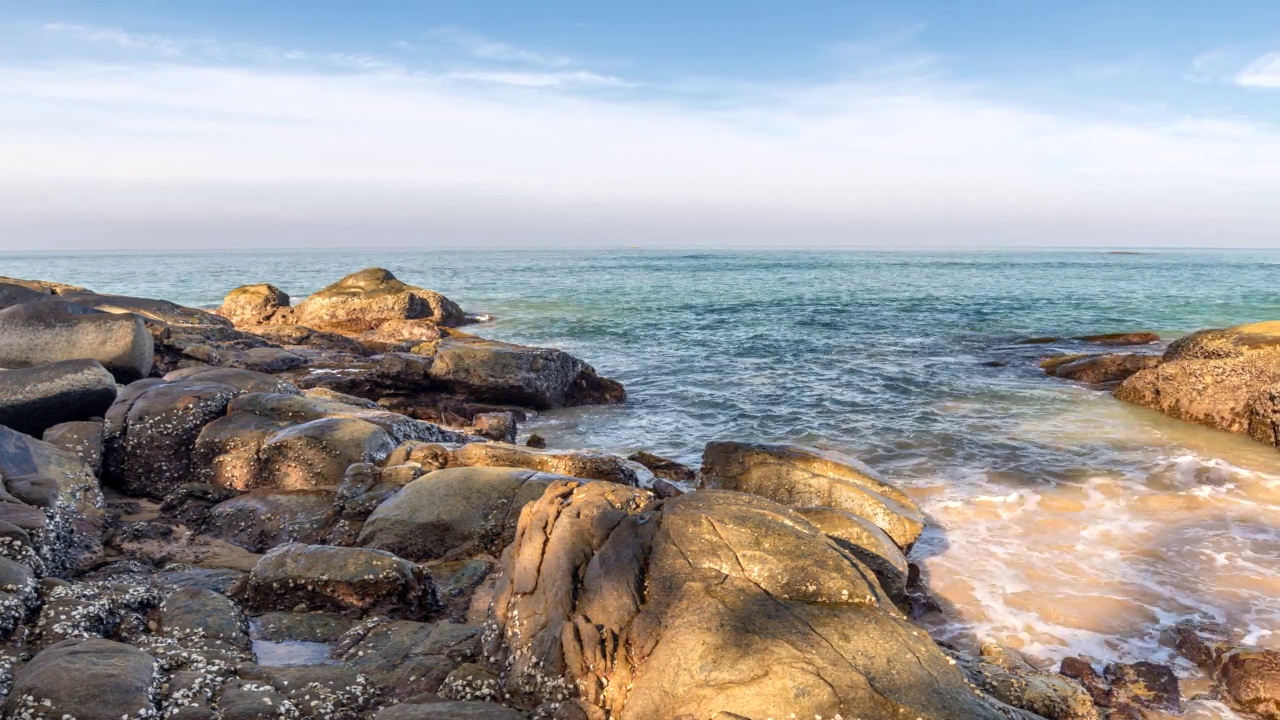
[(151, 430), (47, 332), (305, 409), (89, 679), (585, 464), (254, 304), (806, 477), (711, 604), (35, 399), (1225, 379), (867, 542), (324, 577), (364, 300), (158, 312), (518, 375), (241, 379), (458, 512)]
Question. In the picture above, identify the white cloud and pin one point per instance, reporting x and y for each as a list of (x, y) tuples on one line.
[(143, 152), (1261, 73), (487, 49)]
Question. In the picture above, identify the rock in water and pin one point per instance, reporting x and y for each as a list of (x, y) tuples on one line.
[(35, 399), (518, 375), (1098, 369), (87, 680), (458, 512), (47, 332), (805, 477), (363, 301), (712, 604), (1226, 379), (324, 577)]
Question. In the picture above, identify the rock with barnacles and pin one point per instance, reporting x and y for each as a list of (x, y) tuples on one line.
[(151, 431), (806, 477), (710, 604), (86, 679), (196, 612), (82, 439), (449, 710), (62, 504), (407, 658), (324, 577), (260, 520), (454, 513)]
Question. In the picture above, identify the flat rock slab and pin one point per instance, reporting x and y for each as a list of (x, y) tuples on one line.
[(33, 400)]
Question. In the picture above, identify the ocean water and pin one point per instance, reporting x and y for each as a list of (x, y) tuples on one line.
[(1065, 522)]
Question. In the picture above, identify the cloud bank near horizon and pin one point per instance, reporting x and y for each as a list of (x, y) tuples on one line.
[(126, 140)]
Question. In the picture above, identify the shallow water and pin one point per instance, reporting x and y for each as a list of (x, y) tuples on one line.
[(1065, 521)]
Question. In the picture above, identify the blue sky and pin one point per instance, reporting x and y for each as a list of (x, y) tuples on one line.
[(129, 124)]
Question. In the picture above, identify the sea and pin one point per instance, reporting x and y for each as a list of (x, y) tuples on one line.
[(1063, 522)]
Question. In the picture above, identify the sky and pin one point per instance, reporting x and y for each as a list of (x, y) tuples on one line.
[(985, 123)]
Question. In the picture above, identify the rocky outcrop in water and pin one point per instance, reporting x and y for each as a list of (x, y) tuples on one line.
[(1226, 379)]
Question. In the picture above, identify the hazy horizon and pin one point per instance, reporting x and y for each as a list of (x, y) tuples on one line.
[(872, 124)]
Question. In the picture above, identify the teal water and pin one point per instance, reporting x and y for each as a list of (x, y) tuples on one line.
[(1039, 488)]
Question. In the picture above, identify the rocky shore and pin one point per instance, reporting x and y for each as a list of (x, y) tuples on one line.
[(1227, 379), (319, 510)]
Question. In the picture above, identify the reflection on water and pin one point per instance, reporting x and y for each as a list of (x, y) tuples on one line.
[(1065, 522)]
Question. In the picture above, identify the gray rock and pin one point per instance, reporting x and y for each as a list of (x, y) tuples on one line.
[(82, 439), (151, 430), (454, 513), (449, 710), (260, 520), (241, 379), (69, 534), (85, 679), (35, 399), (196, 612), (324, 577), (519, 375), (47, 332)]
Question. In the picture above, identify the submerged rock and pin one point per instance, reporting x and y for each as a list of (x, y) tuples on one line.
[(805, 477), (1098, 369), (35, 399), (1247, 678), (1121, 338)]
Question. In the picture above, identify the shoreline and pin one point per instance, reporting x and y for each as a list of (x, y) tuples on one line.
[(397, 376)]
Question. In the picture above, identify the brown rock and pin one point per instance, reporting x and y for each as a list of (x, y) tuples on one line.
[(323, 577), (1098, 369), (805, 477), (254, 304)]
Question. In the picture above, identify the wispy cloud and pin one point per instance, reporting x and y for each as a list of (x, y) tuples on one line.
[(517, 78), (1261, 73), (484, 48)]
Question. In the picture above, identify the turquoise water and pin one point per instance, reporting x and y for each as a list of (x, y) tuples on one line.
[(1039, 488)]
